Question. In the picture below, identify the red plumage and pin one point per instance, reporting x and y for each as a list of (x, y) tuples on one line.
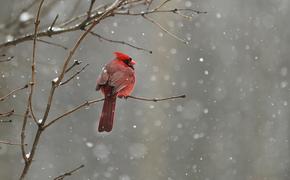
[(117, 79)]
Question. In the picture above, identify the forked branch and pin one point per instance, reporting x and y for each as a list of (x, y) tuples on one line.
[(85, 20), (119, 42)]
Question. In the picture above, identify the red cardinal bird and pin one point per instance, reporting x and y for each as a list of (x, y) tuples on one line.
[(116, 80)]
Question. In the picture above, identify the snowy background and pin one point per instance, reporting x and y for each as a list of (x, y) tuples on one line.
[(233, 125)]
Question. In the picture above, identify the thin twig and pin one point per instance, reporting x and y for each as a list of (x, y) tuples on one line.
[(76, 63), (12, 92), (33, 63), (90, 8), (43, 33), (53, 23), (192, 10), (132, 3), (23, 129), (149, 4), (73, 76), (52, 43), (162, 4), (86, 103), (68, 173), (183, 15), (76, 18), (6, 59), (157, 99), (128, 13), (10, 143), (120, 42), (165, 30), (5, 121), (7, 114), (49, 101)]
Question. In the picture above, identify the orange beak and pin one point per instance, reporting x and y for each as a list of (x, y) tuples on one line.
[(133, 62)]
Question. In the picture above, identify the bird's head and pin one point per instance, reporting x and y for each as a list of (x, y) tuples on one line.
[(125, 59)]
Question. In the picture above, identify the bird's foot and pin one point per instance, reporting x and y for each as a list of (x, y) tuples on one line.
[(123, 97)]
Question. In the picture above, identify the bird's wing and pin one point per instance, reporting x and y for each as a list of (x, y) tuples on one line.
[(103, 78), (121, 79)]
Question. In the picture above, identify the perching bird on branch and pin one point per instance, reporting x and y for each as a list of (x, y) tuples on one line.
[(117, 79)]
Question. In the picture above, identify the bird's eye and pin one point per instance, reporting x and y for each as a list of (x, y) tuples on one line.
[(127, 61)]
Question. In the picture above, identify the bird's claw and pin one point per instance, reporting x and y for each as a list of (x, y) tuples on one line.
[(123, 97)]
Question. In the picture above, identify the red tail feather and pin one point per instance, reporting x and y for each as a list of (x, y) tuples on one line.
[(107, 116)]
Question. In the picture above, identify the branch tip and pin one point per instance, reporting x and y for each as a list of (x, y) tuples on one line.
[(69, 173), (6, 121), (10, 143), (53, 23)]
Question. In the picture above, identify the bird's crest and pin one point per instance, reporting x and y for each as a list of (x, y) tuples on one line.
[(122, 56)]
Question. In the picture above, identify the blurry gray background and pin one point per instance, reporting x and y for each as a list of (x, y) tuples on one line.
[(233, 125)]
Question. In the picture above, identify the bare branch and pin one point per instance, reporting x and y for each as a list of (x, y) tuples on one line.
[(5, 121), (120, 42), (69, 173), (76, 63), (43, 33), (23, 129), (29, 107), (73, 76), (52, 43), (7, 114), (10, 143), (12, 92), (88, 103), (157, 99), (186, 9), (133, 3), (90, 8), (6, 59), (149, 2), (33, 64), (165, 30), (53, 23), (96, 12), (175, 10), (162, 4)]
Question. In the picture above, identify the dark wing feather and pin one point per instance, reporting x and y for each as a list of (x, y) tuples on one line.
[(103, 78), (121, 79)]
